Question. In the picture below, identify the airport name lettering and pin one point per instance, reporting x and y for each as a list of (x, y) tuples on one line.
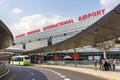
[(34, 31), (28, 33), (66, 22), (93, 14), (59, 24), (21, 35)]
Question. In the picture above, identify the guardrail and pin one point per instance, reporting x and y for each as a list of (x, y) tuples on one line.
[(75, 62), (70, 62), (2, 66)]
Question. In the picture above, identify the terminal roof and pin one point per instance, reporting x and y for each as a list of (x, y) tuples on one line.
[(106, 28), (6, 37)]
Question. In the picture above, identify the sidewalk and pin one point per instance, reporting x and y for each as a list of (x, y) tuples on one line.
[(88, 69)]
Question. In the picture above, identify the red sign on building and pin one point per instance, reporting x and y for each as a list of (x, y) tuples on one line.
[(20, 35), (55, 57), (73, 56), (59, 24), (34, 31), (93, 14), (39, 58)]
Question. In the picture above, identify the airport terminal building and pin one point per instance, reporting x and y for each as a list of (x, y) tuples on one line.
[(58, 32)]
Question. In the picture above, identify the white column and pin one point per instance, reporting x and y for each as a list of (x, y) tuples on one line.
[(55, 58), (104, 54)]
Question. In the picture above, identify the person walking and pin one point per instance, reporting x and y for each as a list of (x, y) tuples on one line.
[(100, 64), (114, 62), (95, 64), (103, 64)]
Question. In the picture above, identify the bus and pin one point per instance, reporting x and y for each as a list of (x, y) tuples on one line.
[(20, 60)]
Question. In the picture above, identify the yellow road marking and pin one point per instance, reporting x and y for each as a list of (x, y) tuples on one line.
[(111, 78)]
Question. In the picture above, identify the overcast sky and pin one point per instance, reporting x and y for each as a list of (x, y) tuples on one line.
[(22, 16)]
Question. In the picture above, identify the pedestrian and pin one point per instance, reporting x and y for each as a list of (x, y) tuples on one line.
[(114, 62), (95, 64), (106, 64), (103, 64), (111, 63), (100, 63)]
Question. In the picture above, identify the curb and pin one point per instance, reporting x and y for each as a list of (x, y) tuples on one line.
[(4, 72)]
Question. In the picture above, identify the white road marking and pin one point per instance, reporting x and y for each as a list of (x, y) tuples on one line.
[(33, 79), (53, 71), (62, 76), (66, 79), (48, 70), (31, 73), (57, 73)]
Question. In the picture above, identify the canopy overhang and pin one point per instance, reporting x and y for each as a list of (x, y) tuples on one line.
[(6, 37), (10, 49)]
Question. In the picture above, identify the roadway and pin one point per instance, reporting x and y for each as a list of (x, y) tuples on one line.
[(43, 73)]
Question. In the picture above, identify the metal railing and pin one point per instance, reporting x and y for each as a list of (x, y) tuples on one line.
[(77, 62)]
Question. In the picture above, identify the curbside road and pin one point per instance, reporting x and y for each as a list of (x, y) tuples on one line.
[(109, 75)]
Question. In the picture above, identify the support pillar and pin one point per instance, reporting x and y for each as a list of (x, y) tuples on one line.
[(35, 59), (43, 58), (75, 63), (51, 55), (60, 56), (104, 54)]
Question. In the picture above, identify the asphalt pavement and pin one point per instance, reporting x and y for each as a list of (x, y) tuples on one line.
[(89, 69), (65, 74), (23, 73), (43, 72)]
